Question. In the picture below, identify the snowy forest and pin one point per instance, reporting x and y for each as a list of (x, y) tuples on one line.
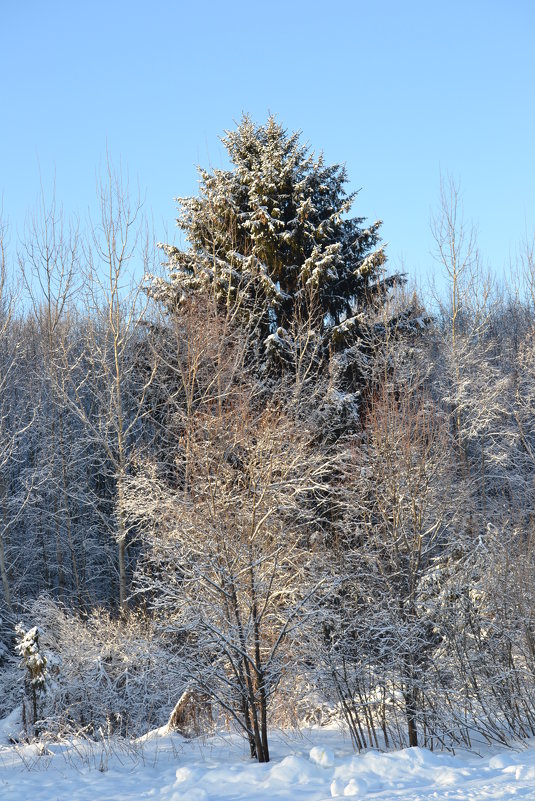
[(254, 479)]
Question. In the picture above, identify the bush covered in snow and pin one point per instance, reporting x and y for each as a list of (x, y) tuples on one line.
[(105, 675)]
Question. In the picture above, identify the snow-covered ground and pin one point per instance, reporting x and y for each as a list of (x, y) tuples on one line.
[(314, 766)]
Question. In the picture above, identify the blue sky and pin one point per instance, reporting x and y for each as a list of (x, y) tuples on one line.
[(399, 91)]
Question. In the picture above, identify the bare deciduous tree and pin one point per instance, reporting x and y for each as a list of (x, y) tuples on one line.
[(230, 560), (106, 383)]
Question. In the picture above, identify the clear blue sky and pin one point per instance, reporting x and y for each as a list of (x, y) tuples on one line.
[(397, 90)]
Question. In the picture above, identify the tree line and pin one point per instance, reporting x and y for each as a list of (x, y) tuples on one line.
[(268, 483)]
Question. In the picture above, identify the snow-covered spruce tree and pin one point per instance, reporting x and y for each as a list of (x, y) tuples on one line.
[(272, 239), (34, 663)]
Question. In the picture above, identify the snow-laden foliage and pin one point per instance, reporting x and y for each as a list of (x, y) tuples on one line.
[(273, 241), (274, 231), (32, 660), (104, 676)]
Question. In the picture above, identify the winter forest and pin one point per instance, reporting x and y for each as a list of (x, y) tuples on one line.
[(265, 483)]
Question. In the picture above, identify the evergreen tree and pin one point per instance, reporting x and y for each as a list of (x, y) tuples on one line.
[(272, 239), (34, 681)]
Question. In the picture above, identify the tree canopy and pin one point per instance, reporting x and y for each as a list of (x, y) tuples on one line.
[(274, 232)]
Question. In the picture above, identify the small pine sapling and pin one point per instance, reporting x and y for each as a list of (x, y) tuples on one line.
[(35, 677)]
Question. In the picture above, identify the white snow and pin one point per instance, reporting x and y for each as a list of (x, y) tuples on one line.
[(317, 765)]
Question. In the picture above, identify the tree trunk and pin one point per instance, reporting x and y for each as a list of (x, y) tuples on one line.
[(411, 712)]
